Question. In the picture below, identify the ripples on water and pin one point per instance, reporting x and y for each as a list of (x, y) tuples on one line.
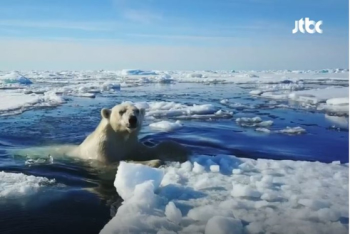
[(88, 199)]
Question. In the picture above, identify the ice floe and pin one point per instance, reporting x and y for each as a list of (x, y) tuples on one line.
[(241, 195), (14, 185), (166, 125), (315, 96), (182, 111), (292, 130), (15, 102), (253, 122)]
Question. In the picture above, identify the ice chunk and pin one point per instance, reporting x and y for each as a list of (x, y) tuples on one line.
[(194, 75), (172, 109), (256, 119), (267, 123), (107, 86), (15, 103), (240, 190), (314, 204), (293, 130), (18, 184), (328, 214), (255, 92), (129, 175), (15, 77), (322, 94), (126, 72), (265, 130), (140, 213), (165, 79), (254, 228), (214, 168), (253, 122), (338, 101), (186, 166), (166, 125), (197, 168), (173, 213), (206, 212), (341, 121), (223, 225)]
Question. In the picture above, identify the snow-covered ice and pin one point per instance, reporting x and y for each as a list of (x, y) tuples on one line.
[(292, 130), (253, 122), (166, 125), (323, 94), (136, 174), (181, 111), (248, 196), (15, 78), (15, 185), (16, 102)]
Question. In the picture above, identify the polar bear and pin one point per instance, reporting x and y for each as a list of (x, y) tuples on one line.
[(116, 139)]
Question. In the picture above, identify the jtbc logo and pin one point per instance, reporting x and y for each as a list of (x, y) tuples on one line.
[(302, 26)]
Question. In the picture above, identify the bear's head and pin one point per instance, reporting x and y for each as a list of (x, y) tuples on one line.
[(124, 117)]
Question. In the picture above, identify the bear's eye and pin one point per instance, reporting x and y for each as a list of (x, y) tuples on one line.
[(121, 112), (137, 111)]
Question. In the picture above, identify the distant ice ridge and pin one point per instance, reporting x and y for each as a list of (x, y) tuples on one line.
[(330, 99), (126, 72), (15, 102), (15, 78), (223, 194), (14, 185)]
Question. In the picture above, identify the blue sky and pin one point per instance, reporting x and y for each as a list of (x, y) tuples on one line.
[(171, 34)]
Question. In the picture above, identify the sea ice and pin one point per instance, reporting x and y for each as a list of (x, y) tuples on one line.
[(246, 196), (15, 77), (126, 72), (224, 225), (265, 130), (173, 213), (181, 111), (13, 185), (13, 102), (130, 175), (292, 130), (166, 125), (253, 122)]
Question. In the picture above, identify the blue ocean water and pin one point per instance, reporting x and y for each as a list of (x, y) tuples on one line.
[(73, 208)]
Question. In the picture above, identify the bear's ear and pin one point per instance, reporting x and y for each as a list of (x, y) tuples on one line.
[(105, 113), (142, 111)]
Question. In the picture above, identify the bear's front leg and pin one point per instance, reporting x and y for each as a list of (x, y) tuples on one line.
[(172, 151)]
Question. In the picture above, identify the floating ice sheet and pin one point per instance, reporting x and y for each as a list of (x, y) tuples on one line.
[(14, 185), (248, 196), (16, 102)]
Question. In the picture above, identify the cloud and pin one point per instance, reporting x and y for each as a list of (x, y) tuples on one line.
[(138, 11), (141, 16), (84, 26)]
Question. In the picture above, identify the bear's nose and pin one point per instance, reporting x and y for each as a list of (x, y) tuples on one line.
[(132, 120)]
